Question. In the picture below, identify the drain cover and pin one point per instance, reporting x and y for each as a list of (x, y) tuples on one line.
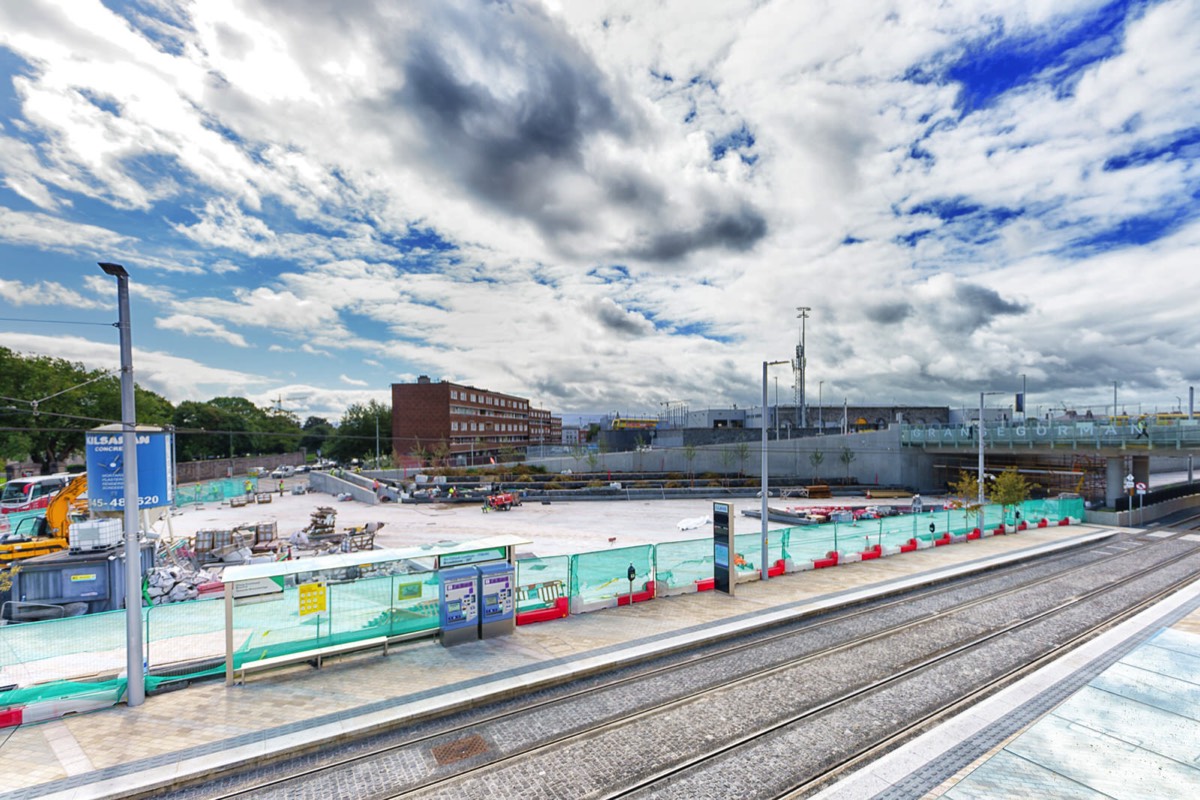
[(459, 749)]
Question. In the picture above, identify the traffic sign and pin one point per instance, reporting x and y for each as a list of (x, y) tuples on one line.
[(1129, 481), (1141, 487)]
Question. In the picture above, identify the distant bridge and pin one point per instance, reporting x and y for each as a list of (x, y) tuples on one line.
[(1113, 439)]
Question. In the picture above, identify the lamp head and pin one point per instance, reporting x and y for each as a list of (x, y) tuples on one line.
[(116, 270)]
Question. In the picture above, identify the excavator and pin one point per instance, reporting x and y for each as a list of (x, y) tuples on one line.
[(49, 533)]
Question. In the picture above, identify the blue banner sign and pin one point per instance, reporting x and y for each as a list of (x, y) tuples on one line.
[(106, 468)]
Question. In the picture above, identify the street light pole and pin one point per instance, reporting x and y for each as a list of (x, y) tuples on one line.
[(1114, 399), (136, 692), (763, 469)]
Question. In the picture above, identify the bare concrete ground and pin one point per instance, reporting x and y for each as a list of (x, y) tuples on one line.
[(558, 528)]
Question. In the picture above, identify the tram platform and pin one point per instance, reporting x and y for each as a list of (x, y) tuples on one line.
[(206, 728)]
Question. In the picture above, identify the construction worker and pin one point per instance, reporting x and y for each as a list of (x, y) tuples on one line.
[(281, 487)]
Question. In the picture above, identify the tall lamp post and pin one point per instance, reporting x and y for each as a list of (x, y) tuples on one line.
[(766, 364), (136, 692)]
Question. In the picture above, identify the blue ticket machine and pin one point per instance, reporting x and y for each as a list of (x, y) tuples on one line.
[(497, 584), (458, 609)]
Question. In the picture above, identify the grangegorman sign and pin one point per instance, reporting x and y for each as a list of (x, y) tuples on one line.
[(106, 468)]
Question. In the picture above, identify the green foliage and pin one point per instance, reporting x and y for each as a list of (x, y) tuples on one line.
[(1009, 488), (743, 455), (356, 433), (49, 403), (317, 433), (847, 457), (816, 457)]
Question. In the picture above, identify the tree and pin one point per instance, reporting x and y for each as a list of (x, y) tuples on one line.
[(727, 459), (689, 455), (317, 432), (815, 458), (356, 433), (966, 490), (1009, 489), (847, 457), (743, 455)]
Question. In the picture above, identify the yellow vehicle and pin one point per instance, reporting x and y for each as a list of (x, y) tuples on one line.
[(50, 533)]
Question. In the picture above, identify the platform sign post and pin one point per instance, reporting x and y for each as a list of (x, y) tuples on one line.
[(1141, 491), (724, 570)]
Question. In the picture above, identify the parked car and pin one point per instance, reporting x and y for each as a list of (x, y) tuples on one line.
[(257, 472), (302, 469), (283, 471)]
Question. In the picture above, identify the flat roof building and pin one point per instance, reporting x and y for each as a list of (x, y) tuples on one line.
[(444, 420)]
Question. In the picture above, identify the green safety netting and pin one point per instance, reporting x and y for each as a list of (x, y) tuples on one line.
[(603, 575), (683, 564), (214, 491), (541, 581), (182, 640), (15, 522)]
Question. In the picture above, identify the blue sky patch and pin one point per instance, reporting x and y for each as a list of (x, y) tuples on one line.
[(741, 139), (1184, 144), (1056, 52)]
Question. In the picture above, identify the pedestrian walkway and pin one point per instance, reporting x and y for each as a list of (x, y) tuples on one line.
[(199, 730)]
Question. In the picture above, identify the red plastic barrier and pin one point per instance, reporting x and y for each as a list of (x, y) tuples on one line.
[(830, 560), (706, 584), (638, 597), (908, 548), (1023, 526), (776, 570), (1042, 523), (945, 540), (975, 534), (1064, 522), (561, 608), (999, 531), (11, 717)]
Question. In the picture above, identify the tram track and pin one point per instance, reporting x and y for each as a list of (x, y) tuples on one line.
[(482, 729)]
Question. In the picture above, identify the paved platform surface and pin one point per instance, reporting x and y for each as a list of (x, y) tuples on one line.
[(121, 751)]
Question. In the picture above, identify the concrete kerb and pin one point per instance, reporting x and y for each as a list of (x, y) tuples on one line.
[(273, 749)]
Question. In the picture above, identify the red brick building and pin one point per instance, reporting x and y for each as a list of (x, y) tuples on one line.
[(544, 428), (454, 420)]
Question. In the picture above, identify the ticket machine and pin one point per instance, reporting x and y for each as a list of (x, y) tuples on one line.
[(458, 607), (497, 593)]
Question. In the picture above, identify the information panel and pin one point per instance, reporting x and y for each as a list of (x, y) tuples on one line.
[(105, 450), (724, 573)]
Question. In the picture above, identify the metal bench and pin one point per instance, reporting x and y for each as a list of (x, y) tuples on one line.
[(317, 656)]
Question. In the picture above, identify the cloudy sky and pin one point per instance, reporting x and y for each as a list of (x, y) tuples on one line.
[(608, 206)]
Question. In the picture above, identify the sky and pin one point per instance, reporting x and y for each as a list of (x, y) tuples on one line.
[(608, 206)]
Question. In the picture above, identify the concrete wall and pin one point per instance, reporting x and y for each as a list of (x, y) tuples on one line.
[(878, 459), (359, 487), (217, 468), (1137, 518)]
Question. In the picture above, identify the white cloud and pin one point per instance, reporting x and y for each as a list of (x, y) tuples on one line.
[(173, 377), (192, 325), (567, 153), (44, 293)]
